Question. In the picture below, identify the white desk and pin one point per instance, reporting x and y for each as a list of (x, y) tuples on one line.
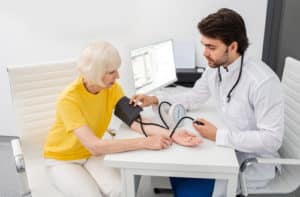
[(205, 161)]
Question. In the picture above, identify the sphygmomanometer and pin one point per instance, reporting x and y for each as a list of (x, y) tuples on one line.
[(129, 113)]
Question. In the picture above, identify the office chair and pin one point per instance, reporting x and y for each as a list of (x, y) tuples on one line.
[(288, 180), (34, 90)]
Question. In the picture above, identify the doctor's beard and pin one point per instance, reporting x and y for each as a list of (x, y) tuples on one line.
[(218, 63)]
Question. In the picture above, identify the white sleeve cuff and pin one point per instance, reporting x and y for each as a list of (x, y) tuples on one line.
[(222, 138)]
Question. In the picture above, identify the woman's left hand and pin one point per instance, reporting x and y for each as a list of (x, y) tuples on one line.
[(186, 138)]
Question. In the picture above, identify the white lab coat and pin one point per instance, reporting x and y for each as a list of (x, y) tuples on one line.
[(254, 116)]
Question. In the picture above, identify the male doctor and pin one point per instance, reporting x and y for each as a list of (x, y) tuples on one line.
[(248, 96)]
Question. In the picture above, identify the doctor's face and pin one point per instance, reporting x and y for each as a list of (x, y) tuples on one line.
[(215, 51)]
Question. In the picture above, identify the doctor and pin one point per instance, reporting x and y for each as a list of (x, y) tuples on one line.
[(248, 97)]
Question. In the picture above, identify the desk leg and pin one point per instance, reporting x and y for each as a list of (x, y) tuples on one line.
[(129, 183), (232, 186), (124, 187)]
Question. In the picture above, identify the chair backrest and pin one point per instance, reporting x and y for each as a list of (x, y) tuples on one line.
[(291, 87), (291, 146), (34, 90), (288, 180)]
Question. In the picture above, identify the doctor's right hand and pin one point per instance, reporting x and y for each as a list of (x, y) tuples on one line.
[(157, 142), (143, 100)]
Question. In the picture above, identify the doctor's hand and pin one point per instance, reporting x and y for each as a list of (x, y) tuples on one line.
[(143, 100), (207, 130), (186, 138), (157, 142)]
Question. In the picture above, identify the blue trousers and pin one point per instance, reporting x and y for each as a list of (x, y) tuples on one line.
[(192, 187)]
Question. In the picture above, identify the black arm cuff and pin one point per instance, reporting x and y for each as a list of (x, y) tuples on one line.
[(126, 112)]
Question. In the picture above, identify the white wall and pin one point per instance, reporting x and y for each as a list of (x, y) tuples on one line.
[(39, 31)]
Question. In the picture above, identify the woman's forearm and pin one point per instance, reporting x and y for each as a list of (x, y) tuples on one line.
[(150, 129), (119, 145), (98, 146)]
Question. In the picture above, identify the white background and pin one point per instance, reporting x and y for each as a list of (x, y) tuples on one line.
[(34, 31)]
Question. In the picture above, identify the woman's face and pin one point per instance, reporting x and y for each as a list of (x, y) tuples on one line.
[(110, 77), (108, 80)]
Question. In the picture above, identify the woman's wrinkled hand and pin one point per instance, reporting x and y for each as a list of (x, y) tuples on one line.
[(157, 142)]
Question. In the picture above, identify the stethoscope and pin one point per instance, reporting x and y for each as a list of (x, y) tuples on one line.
[(165, 125), (236, 82)]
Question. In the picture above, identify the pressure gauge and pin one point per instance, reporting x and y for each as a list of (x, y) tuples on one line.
[(176, 112)]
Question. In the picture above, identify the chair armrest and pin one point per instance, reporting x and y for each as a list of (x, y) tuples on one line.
[(282, 161), (250, 161), (20, 167), (18, 155)]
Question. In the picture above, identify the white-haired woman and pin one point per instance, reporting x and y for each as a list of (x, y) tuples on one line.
[(74, 149)]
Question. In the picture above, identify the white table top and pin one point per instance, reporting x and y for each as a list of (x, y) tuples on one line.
[(206, 157)]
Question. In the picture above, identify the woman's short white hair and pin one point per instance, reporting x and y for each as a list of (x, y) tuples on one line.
[(97, 59)]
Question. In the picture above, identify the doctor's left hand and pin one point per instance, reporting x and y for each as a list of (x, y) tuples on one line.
[(207, 130), (186, 138)]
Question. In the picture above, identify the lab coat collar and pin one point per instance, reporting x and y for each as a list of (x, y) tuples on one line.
[(235, 65), (233, 68)]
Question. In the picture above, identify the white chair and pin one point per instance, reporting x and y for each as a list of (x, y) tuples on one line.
[(34, 90), (289, 179)]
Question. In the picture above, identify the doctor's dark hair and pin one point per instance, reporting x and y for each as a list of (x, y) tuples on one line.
[(227, 26)]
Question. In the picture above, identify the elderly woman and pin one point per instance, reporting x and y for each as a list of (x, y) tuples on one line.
[(74, 148)]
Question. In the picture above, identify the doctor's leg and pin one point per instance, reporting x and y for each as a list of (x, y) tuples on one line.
[(190, 187)]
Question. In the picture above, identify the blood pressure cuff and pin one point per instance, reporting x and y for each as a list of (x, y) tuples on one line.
[(127, 112)]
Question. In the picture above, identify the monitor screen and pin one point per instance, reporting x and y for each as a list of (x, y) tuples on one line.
[(153, 66)]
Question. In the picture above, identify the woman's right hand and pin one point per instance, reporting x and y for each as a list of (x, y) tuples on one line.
[(143, 100), (157, 142)]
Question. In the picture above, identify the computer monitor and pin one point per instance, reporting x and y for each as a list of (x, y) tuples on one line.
[(153, 66)]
